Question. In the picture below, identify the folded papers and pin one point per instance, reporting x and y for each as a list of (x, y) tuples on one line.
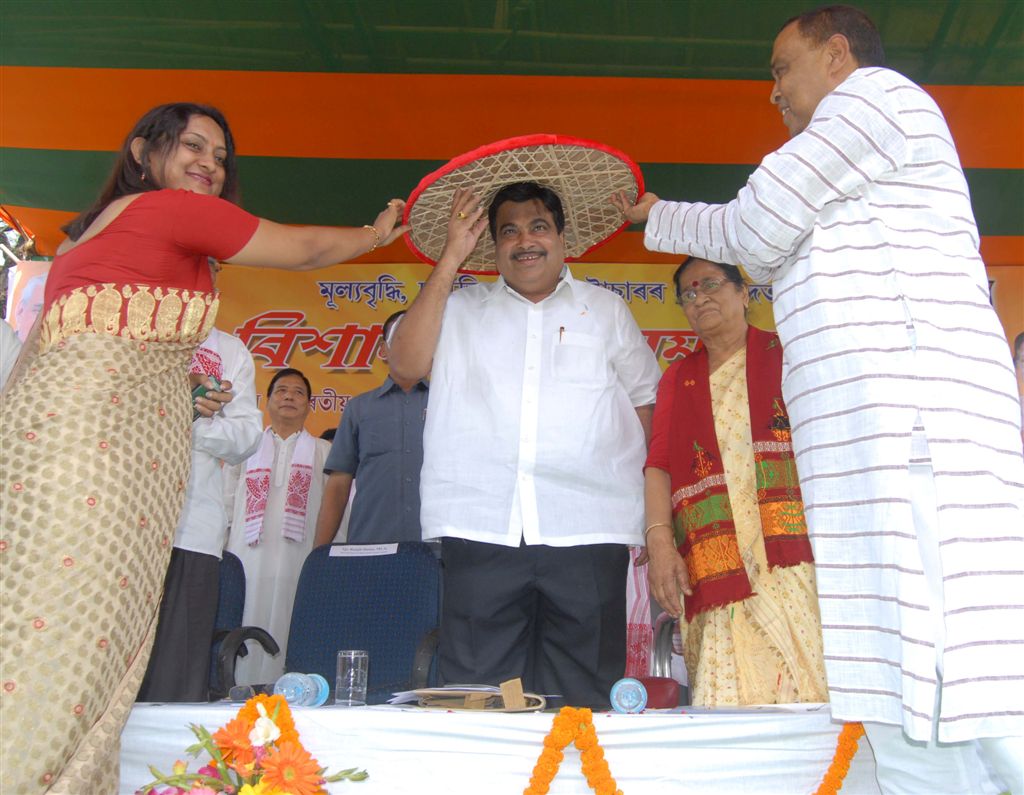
[(509, 697)]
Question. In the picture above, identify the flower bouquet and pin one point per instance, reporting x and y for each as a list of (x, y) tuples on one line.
[(256, 753)]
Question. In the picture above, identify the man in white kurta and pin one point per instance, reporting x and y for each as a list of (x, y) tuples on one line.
[(897, 376), (273, 558)]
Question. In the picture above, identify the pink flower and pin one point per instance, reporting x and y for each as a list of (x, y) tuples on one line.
[(198, 790), (209, 770)]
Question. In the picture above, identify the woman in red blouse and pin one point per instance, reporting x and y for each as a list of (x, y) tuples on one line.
[(95, 436)]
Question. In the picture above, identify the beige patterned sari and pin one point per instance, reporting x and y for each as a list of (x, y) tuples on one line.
[(765, 649), (93, 467)]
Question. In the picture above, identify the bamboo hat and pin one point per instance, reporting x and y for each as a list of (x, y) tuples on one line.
[(583, 173)]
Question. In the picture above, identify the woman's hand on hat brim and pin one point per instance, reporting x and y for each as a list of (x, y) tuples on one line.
[(386, 222)]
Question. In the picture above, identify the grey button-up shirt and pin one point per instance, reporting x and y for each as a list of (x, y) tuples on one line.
[(380, 443)]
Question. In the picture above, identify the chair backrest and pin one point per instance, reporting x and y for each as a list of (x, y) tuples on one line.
[(230, 607), (385, 603), (231, 598)]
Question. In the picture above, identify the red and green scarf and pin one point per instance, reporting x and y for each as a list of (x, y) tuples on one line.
[(701, 512)]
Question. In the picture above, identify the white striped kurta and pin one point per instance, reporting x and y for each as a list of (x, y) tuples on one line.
[(864, 224)]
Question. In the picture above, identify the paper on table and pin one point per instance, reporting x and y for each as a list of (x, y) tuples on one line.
[(805, 706), (470, 697), (409, 696)]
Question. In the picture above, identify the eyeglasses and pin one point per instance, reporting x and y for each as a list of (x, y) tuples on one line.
[(705, 286)]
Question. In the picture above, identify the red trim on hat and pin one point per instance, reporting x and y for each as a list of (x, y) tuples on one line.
[(519, 142)]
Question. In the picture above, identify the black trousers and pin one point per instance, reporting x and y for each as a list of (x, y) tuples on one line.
[(554, 616), (179, 666)]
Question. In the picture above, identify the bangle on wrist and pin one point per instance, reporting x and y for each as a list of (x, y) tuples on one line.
[(652, 526), (376, 236)]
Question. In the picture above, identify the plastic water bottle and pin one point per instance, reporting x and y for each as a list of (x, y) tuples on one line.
[(302, 690), (629, 695)]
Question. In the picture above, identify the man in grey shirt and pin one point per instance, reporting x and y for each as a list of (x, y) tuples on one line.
[(379, 442)]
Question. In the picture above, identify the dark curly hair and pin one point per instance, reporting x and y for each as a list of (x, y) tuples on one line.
[(160, 128)]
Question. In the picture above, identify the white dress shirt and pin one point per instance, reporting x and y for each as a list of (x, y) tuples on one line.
[(531, 429), (229, 436)]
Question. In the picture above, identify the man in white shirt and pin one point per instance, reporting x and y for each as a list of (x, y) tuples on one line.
[(274, 501), (906, 423), (542, 389), (226, 431)]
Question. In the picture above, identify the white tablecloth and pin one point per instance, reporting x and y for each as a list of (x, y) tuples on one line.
[(408, 750)]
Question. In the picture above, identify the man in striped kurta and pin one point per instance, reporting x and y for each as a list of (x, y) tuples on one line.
[(906, 420)]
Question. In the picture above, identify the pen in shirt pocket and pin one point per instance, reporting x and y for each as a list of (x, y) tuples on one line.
[(561, 333)]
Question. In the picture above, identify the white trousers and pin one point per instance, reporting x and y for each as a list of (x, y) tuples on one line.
[(990, 765)]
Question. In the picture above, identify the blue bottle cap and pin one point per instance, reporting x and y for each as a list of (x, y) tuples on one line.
[(629, 695), (323, 690)]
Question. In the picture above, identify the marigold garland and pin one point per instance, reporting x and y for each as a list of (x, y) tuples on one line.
[(576, 726), (846, 747)]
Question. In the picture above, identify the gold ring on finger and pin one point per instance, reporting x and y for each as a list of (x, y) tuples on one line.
[(461, 215)]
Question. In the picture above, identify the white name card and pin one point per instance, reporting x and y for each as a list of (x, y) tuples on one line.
[(362, 550)]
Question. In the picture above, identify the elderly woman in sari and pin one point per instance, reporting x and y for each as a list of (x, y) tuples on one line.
[(725, 533), (95, 432)]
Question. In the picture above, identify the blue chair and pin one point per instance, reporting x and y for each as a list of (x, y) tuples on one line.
[(388, 604), (229, 635), (231, 596)]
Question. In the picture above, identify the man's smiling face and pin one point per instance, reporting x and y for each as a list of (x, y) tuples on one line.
[(529, 249), (800, 69)]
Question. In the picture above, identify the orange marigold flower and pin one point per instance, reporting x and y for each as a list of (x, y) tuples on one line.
[(561, 737), (846, 747), (233, 741), (586, 739), (291, 769), (538, 787), (605, 787)]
